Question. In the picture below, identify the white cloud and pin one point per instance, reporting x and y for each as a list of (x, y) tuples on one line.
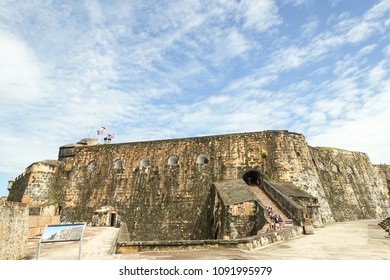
[(229, 46), (254, 81), (21, 74), (335, 2), (367, 131), (298, 3), (260, 15), (309, 27), (366, 50), (361, 31), (185, 68), (288, 58), (386, 51), (95, 11), (378, 11), (377, 74)]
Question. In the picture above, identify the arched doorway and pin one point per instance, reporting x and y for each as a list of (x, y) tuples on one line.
[(252, 177)]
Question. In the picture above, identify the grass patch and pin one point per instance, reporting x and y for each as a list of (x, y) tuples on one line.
[(331, 149)]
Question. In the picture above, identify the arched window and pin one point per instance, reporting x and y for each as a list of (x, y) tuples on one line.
[(173, 160), (144, 162), (202, 159), (117, 164), (92, 165)]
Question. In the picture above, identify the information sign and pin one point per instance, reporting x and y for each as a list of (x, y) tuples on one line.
[(62, 233)]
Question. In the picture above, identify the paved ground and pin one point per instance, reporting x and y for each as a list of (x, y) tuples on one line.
[(355, 240)]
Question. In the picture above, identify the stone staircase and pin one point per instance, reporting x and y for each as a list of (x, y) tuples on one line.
[(267, 202)]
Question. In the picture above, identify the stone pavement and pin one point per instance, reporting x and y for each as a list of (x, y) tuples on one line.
[(353, 240)]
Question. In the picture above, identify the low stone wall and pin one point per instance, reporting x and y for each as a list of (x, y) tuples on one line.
[(285, 203), (124, 246), (13, 230), (37, 224)]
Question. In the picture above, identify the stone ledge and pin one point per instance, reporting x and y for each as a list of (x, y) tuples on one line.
[(248, 243)]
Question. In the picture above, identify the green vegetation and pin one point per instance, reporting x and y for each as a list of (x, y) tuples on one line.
[(331, 149), (51, 201)]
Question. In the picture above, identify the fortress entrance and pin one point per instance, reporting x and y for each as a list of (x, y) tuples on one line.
[(252, 177)]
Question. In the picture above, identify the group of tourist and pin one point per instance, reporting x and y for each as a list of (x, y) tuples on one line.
[(276, 220)]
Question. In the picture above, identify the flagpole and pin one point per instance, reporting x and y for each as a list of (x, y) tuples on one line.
[(89, 126)]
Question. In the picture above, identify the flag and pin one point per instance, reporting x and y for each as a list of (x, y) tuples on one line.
[(111, 136), (100, 131)]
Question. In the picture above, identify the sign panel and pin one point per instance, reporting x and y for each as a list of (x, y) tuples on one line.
[(63, 233)]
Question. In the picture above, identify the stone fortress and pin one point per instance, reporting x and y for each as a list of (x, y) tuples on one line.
[(205, 188)]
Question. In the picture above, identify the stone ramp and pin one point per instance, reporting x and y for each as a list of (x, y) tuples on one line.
[(267, 202)]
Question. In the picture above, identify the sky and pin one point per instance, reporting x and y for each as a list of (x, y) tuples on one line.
[(150, 70)]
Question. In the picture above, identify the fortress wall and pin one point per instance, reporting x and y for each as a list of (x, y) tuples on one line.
[(384, 173), (19, 187), (164, 201), (13, 230), (173, 201), (168, 201), (290, 159), (353, 187), (34, 186), (158, 201)]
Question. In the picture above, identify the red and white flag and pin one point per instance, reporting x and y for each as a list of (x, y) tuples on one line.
[(111, 136), (101, 131)]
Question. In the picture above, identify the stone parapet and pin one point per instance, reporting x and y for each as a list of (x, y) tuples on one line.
[(13, 230)]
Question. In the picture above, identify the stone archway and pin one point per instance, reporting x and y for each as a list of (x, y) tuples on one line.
[(252, 177)]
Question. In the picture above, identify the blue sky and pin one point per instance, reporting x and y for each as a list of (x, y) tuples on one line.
[(168, 69)]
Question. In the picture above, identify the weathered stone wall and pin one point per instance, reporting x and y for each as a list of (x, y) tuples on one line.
[(13, 230), (37, 224), (39, 217), (291, 161), (158, 201), (127, 246), (288, 205), (35, 185), (162, 189), (172, 201), (218, 228), (161, 200), (243, 219), (18, 188), (353, 187), (384, 173)]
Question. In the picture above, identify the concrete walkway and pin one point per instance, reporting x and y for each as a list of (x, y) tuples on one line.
[(354, 240)]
